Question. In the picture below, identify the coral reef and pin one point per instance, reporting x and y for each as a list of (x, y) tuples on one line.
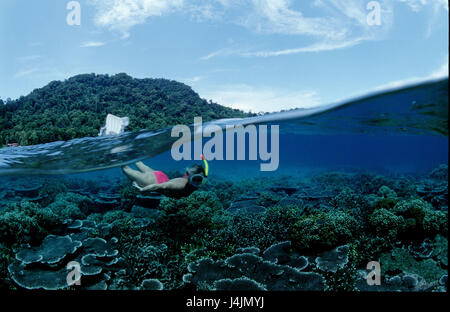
[(331, 261), (251, 272), (401, 261), (315, 232), (152, 284), (49, 266)]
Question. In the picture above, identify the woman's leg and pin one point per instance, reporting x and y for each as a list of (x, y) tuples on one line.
[(143, 168), (131, 173)]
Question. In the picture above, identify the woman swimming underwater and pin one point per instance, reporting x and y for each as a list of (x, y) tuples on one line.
[(147, 179)]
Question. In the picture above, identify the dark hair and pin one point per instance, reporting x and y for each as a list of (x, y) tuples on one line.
[(195, 169)]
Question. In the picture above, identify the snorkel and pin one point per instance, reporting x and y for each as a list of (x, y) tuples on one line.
[(206, 169)]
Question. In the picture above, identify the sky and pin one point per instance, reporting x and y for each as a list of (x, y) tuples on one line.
[(255, 55)]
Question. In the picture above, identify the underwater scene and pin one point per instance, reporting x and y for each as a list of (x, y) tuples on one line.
[(356, 200)]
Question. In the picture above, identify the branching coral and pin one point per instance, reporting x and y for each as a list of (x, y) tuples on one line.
[(50, 190), (71, 206), (179, 219), (279, 220), (246, 230), (386, 225), (422, 220), (26, 222), (323, 230)]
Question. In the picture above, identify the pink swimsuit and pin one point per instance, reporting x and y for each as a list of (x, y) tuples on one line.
[(161, 177)]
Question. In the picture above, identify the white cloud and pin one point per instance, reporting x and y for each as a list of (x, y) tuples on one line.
[(418, 5), (28, 58), (261, 99), (26, 72), (443, 3), (191, 80), (341, 24), (339, 21), (276, 17), (205, 10), (433, 9), (415, 5), (439, 73), (329, 24), (222, 52), (317, 47), (122, 15), (92, 44)]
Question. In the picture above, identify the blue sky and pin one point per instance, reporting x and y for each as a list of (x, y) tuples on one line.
[(258, 55)]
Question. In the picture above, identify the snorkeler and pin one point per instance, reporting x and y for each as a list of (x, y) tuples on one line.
[(147, 179)]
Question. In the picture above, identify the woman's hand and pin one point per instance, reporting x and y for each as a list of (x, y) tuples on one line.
[(137, 186), (151, 187)]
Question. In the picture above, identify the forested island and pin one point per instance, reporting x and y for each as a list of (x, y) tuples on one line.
[(77, 107)]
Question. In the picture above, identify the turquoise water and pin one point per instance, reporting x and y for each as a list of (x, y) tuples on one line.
[(368, 164)]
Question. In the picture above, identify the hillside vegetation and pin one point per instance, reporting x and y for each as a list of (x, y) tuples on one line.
[(77, 107)]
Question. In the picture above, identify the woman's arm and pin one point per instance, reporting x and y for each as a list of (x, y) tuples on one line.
[(151, 187), (172, 185)]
